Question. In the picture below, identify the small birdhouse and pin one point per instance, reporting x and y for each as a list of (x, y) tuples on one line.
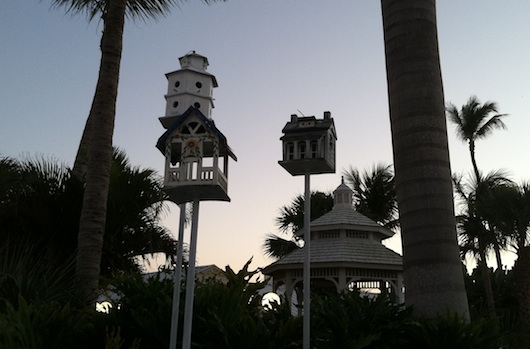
[(196, 154), (309, 145)]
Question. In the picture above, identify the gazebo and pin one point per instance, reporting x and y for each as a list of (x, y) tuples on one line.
[(346, 253)]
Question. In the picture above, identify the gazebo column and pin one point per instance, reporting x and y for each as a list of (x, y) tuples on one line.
[(342, 280), (399, 292)]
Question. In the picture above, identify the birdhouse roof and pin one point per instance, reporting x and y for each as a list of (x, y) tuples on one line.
[(195, 70), (307, 125), (208, 123)]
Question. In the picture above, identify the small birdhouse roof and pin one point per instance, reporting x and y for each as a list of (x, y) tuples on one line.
[(308, 127), (196, 63), (208, 123)]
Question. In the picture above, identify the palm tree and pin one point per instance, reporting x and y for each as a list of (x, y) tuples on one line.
[(95, 150), (510, 207), (432, 268), (40, 205), (476, 198), (374, 193), (133, 230), (475, 121), (477, 226)]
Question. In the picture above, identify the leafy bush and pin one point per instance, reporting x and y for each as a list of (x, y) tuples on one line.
[(347, 320), (45, 325)]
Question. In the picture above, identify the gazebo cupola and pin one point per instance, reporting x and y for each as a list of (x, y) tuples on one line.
[(309, 145), (196, 151)]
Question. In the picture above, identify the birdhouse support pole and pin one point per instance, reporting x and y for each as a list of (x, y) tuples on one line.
[(176, 279), (190, 279), (307, 266)]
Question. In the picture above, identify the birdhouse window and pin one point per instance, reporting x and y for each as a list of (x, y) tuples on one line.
[(177, 83), (289, 151), (197, 105), (302, 150), (175, 104), (314, 149), (198, 84)]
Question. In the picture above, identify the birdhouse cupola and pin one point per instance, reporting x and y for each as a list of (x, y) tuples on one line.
[(309, 145), (196, 151), (191, 85)]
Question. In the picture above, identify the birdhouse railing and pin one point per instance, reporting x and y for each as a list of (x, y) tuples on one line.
[(192, 173)]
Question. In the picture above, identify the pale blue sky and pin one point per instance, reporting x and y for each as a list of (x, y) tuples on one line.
[(271, 58)]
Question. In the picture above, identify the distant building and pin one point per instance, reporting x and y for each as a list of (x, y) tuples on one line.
[(209, 272)]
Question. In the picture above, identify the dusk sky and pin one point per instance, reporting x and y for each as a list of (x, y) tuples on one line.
[(271, 58)]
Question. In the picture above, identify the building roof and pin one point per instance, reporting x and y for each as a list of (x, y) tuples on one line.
[(366, 252), (209, 123)]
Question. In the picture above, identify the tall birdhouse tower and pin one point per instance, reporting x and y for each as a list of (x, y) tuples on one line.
[(309, 145), (195, 150), (191, 85)]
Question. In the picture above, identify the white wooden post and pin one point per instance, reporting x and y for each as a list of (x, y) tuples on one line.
[(190, 279), (176, 279), (307, 266)]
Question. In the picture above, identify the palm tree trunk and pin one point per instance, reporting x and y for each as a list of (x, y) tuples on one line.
[(81, 159), (498, 256), (522, 284), (486, 279), (473, 160), (432, 268), (93, 214)]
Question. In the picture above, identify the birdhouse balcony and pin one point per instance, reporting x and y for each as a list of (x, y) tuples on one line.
[(197, 178)]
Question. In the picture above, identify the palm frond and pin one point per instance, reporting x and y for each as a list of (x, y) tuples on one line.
[(135, 9), (277, 247), (475, 120), (374, 192)]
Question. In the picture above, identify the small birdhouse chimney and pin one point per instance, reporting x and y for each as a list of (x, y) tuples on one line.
[(309, 145)]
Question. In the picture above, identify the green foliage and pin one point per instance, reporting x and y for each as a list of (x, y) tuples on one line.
[(374, 193), (475, 120), (291, 218), (142, 310), (40, 206), (44, 325), (347, 320), (450, 331), (113, 340), (136, 9), (26, 273), (231, 315)]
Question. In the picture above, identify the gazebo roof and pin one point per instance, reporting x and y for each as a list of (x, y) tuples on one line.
[(344, 216), (345, 252)]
